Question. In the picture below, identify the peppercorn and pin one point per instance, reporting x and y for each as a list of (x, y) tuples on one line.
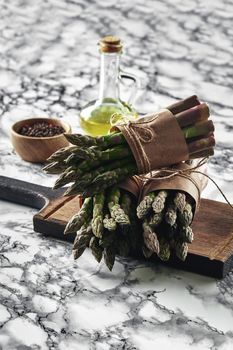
[(41, 129)]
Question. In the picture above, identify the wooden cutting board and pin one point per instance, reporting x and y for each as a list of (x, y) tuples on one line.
[(210, 254)]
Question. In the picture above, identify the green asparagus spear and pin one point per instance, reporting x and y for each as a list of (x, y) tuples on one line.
[(155, 219), (96, 249), (198, 129), (97, 220), (76, 222), (108, 179), (150, 238), (81, 241), (187, 234), (181, 250), (179, 201), (159, 201), (165, 252), (109, 256), (81, 140), (109, 223), (84, 181), (116, 212), (62, 154), (170, 214), (54, 167), (145, 206), (184, 105), (106, 141), (146, 252), (186, 216), (83, 236), (83, 153), (66, 177)]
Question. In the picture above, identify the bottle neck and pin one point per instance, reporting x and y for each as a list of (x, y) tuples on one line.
[(109, 75)]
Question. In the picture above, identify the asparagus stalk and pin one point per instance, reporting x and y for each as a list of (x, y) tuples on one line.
[(150, 238), (198, 129), (186, 234), (146, 252), (109, 178), (179, 201), (170, 215), (117, 213), (54, 167), (155, 219), (145, 207), (96, 249), (202, 154), (76, 222), (186, 216), (181, 250), (102, 141), (182, 105), (159, 202), (165, 251), (97, 220), (86, 179), (81, 241), (109, 256), (61, 154), (193, 115), (200, 145), (83, 153), (109, 223)]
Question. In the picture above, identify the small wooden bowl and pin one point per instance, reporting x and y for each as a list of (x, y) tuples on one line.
[(37, 149)]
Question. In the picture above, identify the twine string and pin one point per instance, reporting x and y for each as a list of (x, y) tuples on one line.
[(184, 173), (217, 186), (120, 119), (133, 125)]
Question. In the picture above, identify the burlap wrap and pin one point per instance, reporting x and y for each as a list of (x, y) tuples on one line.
[(187, 181), (156, 140)]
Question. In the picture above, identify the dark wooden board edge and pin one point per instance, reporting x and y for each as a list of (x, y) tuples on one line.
[(199, 264), (193, 263), (55, 228)]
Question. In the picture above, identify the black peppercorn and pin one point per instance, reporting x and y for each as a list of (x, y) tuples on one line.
[(41, 129)]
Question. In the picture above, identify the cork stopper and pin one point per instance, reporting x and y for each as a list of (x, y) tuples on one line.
[(110, 44)]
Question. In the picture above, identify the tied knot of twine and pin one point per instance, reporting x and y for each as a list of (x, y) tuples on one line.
[(146, 133), (132, 126)]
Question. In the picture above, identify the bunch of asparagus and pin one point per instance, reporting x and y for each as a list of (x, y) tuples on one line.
[(93, 164), (166, 218), (107, 224)]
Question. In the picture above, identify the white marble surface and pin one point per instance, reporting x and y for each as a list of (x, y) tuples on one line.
[(49, 66)]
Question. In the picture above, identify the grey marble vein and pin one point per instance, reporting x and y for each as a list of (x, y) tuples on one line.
[(49, 66)]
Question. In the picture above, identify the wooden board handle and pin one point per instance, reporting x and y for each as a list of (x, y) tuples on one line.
[(29, 194)]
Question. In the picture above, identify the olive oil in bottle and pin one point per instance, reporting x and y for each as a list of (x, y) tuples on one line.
[(95, 116)]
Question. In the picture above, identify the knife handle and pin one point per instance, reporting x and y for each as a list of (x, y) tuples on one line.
[(26, 193)]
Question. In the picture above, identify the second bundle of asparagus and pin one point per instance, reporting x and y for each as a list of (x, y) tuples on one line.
[(94, 164), (167, 207)]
